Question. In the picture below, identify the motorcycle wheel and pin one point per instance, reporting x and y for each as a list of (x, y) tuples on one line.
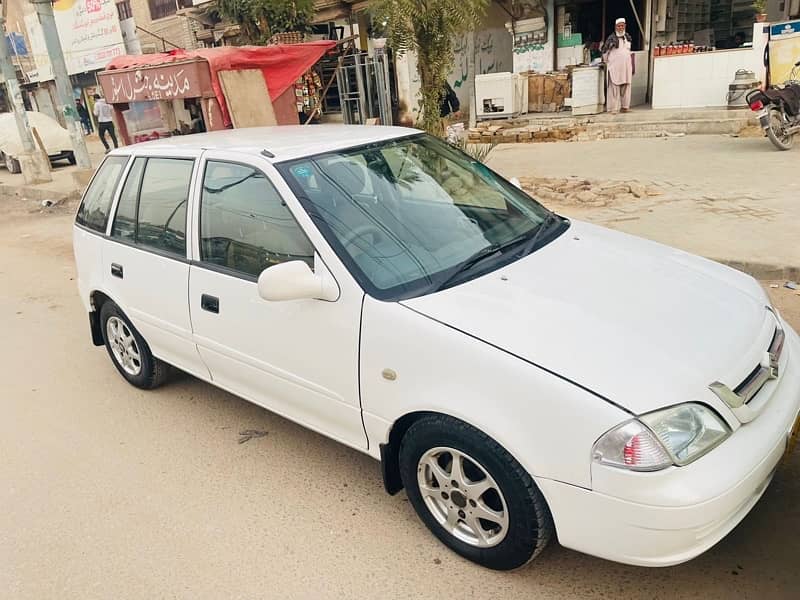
[(776, 129)]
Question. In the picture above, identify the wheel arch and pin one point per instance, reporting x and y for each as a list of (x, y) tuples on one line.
[(96, 300), (390, 450)]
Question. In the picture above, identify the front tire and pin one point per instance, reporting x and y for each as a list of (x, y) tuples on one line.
[(128, 350), (776, 125), (472, 494)]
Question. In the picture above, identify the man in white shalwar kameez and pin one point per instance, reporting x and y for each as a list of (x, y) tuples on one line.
[(619, 66)]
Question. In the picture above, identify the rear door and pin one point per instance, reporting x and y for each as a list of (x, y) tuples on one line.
[(145, 262), (298, 358)]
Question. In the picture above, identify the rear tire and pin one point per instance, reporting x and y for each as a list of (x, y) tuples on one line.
[(489, 510), (129, 351), (781, 142)]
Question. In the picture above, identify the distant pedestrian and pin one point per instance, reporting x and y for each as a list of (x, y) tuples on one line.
[(450, 104), (619, 66), (105, 123), (83, 115)]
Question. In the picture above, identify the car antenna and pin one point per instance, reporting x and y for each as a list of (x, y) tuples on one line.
[(267, 153)]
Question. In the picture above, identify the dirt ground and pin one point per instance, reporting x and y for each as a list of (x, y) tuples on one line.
[(111, 492)]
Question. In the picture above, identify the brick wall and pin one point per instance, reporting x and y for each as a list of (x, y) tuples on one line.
[(175, 29)]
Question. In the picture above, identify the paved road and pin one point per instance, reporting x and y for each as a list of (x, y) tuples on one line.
[(725, 198), (110, 492)]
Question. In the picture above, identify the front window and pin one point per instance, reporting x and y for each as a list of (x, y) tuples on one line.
[(408, 216), (245, 226)]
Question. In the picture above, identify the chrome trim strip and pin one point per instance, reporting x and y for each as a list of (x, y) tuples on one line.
[(767, 370)]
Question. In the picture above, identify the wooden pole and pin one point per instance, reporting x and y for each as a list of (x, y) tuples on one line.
[(43, 150)]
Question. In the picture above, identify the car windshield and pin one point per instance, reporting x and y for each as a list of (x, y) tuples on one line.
[(412, 215)]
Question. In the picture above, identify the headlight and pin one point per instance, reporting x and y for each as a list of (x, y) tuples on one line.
[(673, 436)]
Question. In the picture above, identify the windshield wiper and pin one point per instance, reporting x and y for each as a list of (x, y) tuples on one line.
[(543, 226), (467, 264), (493, 249)]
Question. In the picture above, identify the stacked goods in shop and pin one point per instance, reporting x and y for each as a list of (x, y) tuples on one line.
[(546, 92), (307, 92)]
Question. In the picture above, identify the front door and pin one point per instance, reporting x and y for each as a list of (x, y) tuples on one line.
[(298, 358)]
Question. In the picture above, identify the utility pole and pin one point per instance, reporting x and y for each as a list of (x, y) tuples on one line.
[(35, 167), (66, 103), (473, 110)]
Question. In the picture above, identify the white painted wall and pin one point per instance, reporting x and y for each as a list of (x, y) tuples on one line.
[(699, 80), (539, 57)]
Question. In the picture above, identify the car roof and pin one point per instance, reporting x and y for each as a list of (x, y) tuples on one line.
[(283, 142)]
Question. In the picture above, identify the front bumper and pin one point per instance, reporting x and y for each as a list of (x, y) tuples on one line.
[(671, 516)]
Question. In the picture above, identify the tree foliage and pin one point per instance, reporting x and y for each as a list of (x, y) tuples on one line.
[(428, 27), (260, 19)]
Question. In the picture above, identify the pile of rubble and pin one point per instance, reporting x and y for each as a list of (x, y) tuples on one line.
[(586, 192)]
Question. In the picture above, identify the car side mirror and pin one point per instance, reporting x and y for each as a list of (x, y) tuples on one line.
[(294, 280), (515, 182)]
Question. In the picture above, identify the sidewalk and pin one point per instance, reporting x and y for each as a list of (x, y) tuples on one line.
[(730, 199), (642, 122), (63, 186)]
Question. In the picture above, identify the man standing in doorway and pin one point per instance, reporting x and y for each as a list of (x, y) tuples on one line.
[(104, 112), (619, 65)]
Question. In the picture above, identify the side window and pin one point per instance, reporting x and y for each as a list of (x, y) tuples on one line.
[(93, 212), (124, 226), (164, 193), (244, 223)]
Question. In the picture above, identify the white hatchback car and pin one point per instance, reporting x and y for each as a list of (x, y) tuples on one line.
[(522, 375)]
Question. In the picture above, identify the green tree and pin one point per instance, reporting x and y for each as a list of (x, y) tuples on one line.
[(428, 27), (260, 19)]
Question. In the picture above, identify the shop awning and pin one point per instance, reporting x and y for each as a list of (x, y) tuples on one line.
[(281, 64)]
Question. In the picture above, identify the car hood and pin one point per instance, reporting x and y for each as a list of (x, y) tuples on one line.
[(641, 324), (54, 137)]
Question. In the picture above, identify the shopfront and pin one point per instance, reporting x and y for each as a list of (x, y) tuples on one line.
[(161, 101), (192, 91), (698, 48)]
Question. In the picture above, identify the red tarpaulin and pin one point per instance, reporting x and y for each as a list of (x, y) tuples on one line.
[(281, 64)]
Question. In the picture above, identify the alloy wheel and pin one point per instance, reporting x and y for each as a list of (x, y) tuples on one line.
[(123, 346), (463, 497)]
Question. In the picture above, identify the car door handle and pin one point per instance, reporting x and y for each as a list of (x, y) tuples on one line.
[(209, 303), (116, 270)]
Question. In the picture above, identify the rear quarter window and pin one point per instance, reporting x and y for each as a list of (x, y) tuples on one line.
[(96, 204)]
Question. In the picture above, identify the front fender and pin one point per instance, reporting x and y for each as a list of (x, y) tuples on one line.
[(411, 363)]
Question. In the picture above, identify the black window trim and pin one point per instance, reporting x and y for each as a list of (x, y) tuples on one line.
[(227, 270), (118, 196)]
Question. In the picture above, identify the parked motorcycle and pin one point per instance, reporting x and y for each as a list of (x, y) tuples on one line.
[(778, 109)]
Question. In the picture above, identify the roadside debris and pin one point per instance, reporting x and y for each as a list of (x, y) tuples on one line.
[(587, 192), (48, 203), (249, 434)]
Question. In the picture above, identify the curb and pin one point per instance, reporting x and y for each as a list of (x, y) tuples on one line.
[(762, 270), (37, 195)]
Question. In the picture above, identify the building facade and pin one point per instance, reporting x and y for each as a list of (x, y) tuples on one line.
[(161, 25)]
